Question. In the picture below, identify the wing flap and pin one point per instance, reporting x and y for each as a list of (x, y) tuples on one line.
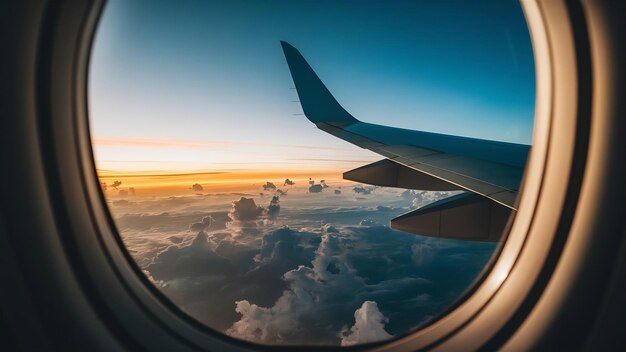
[(466, 216), (387, 173)]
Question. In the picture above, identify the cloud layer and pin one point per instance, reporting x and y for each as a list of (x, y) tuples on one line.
[(296, 270)]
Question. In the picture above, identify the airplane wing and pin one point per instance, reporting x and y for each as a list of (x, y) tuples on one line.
[(489, 171)]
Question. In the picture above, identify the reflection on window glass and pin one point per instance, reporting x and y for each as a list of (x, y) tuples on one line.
[(231, 201)]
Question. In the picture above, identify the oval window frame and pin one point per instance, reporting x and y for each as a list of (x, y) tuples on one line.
[(127, 299)]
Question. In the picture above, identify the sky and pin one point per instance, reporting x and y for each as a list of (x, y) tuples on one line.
[(203, 85), (233, 204)]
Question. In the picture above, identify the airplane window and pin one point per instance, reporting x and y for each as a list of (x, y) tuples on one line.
[(312, 172)]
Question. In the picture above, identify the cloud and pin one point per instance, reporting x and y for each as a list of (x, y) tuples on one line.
[(408, 194), (288, 182), (315, 188), (367, 222), (296, 284), (192, 260), (155, 282), (269, 186), (126, 193), (274, 208), (205, 274), (245, 209), (362, 190), (203, 225), (422, 254), (197, 187), (176, 239), (321, 299), (286, 245), (247, 217), (312, 291), (422, 198), (369, 326), (280, 192), (263, 324), (116, 184)]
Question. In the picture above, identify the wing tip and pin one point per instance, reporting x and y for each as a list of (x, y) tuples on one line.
[(290, 51), (318, 104)]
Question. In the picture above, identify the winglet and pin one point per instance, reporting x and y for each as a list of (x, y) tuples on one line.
[(318, 104)]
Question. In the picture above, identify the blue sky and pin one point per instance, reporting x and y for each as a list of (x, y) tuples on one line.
[(214, 72)]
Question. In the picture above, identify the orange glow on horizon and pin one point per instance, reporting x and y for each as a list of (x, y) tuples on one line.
[(212, 180)]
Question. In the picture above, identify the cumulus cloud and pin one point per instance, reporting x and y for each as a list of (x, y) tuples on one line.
[(367, 222), (197, 187), (246, 216), (155, 282), (282, 320), (309, 293), (361, 190), (285, 245), (408, 194), (422, 198), (263, 324), (369, 326), (288, 182), (269, 186), (176, 239), (206, 222), (192, 260), (321, 299), (274, 208), (245, 209), (116, 184), (315, 188)]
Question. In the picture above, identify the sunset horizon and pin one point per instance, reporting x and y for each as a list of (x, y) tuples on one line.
[(224, 180)]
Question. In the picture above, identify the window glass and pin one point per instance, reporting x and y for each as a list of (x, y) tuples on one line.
[(234, 205)]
